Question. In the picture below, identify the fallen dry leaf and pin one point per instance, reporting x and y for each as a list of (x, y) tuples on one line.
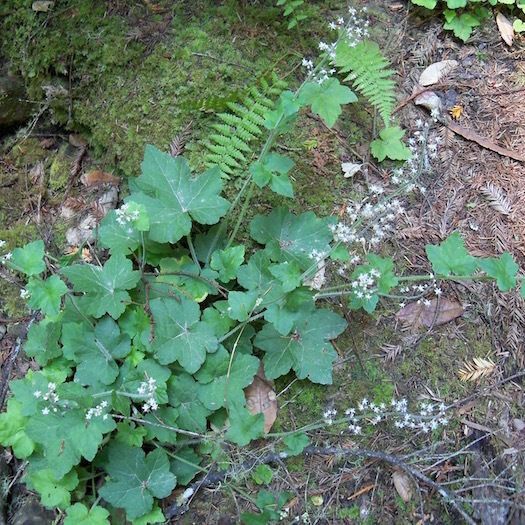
[(435, 72), (428, 100), (397, 6), (72, 206), (506, 30), (417, 314), (483, 142), (261, 399), (456, 112), (98, 177), (48, 143), (85, 254), (78, 141), (403, 485), (42, 6), (350, 169)]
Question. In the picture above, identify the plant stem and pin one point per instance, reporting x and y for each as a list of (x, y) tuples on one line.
[(242, 214), (192, 251), (342, 289), (240, 326)]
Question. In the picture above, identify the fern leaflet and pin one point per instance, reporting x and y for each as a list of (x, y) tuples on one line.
[(231, 144), (370, 75)]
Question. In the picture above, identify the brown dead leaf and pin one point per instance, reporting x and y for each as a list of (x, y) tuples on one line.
[(261, 399), (72, 206), (435, 72), (417, 314), (506, 30), (403, 485), (98, 177), (85, 254), (48, 143), (397, 6), (456, 112), (78, 141), (484, 142)]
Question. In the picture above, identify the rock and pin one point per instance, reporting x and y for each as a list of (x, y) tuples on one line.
[(14, 108), (82, 233)]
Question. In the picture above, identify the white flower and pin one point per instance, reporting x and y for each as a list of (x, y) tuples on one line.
[(25, 294), (125, 215), (2, 243), (308, 64), (37, 394), (45, 411)]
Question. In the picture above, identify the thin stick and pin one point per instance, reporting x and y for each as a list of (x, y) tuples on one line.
[(214, 477)]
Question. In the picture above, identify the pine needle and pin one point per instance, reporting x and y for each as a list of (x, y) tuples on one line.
[(497, 198), (478, 368)]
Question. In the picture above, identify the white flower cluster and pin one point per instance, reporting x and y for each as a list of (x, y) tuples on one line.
[(422, 150), (97, 411), (356, 28), (303, 518), (353, 30), (25, 294), (51, 396), (430, 417), (375, 220), (365, 284), (148, 389), (329, 415), (308, 64), (419, 290), (329, 49), (2, 243), (125, 215)]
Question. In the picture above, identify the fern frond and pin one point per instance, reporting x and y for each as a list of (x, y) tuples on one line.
[(230, 147), (477, 369), (370, 75), (228, 118)]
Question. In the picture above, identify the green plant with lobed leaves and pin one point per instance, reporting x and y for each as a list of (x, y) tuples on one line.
[(144, 356), (462, 16)]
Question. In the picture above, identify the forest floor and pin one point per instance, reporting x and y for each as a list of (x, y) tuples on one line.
[(179, 68)]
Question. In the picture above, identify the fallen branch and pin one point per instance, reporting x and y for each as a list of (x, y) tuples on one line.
[(214, 477)]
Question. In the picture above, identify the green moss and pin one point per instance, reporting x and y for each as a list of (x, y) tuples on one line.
[(59, 170), (16, 235), (441, 352), (26, 153)]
